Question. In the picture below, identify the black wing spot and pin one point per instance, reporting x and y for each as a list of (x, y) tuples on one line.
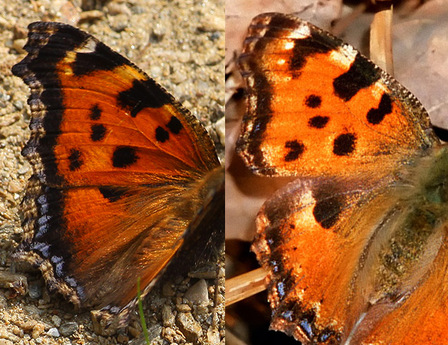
[(313, 101), (124, 156), (95, 112), (327, 210), (75, 159), (98, 132), (112, 193), (174, 125), (318, 121), (296, 149), (162, 135), (376, 115), (362, 74), (143, 94), (344, 144)]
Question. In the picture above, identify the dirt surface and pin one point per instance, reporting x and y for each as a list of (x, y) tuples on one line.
[(181, 45)]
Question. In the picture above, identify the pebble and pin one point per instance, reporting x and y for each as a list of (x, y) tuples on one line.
[(14, 187), (154, 331), (221, 130), (122, 338), (6, 342), (183, 308), (198, 293), (56, 320), (157, 34), (189, 326), (23, 169), (18, 105), (167, 316), (18, 45), (213, 336), (18, 331), (38, 329), (68, 328), (53, 332), (115, 8), (91, 15), (119, 22), (178, 77), (135, 331)]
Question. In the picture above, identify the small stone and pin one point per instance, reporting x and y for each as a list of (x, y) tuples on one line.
[(28, 325), (23, 169), (53, 332), (201, 309), (157, 34), (183, 308), (18, 105), (183, 57), (35, 289), (198, 293), (32, 309), (14, 187), (119, 22), (87, 16), (122, 338), (18, 45), (178, 77), (221, 131), (212, 23), (56, 320), (116, 8), (168, 334), (154, 332), (68, 328), (18, 331), (135, 331), (5, 342), (189, 326), (167, 316), (38, 329), (213, 336)]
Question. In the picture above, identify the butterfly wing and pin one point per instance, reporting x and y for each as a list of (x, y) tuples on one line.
[(352, 246), (338, 259), (121, 170), (299, 75)]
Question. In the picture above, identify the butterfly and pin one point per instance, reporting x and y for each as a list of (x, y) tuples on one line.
[(356, 245), (123, 175)]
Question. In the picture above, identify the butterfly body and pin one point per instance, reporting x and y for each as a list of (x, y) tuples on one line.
[(356, 245)]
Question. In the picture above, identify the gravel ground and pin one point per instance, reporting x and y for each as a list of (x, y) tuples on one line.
[(181, 45)]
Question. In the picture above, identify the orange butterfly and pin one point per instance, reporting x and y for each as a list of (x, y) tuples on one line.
[(356, 247), (123, 174)]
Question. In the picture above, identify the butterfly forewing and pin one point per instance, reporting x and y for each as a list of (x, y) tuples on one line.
[(283, 61)]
